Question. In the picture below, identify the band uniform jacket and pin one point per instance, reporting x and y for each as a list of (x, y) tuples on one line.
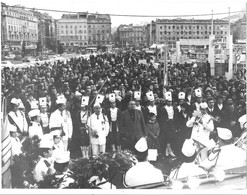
[(18, 119), (100, 125), (64, 121)]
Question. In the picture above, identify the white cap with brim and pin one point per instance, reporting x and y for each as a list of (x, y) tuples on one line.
[(61, 99), (188, 148), (77, 93), (62, 157), (224, 134), (12, 128), (56, 133), (204, 105), (141, 145), (46, 142), (97, 104), (33, 113), (15, 101)]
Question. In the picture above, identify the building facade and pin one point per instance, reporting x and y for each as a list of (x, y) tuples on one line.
[(72, 30), (18, 26), (47, 37), (170, 31), (131, 36), (239, 29), (99, 30)]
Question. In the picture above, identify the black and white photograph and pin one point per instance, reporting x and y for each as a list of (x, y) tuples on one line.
[(123, 96)]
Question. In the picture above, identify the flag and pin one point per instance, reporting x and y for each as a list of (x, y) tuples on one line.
[(6, 147)]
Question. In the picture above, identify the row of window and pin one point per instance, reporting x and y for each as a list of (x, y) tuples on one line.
[(21, 29), (76, 26), (22, 37), (132, 35), (74, 32), (135, 39), (75, 37), (190, 27), (205, 32), (18, 15)]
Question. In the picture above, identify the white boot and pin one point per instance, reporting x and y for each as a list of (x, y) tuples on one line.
[(170, 150)]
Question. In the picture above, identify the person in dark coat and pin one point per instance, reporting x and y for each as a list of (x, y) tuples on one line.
[(182, 132), (132, 126)]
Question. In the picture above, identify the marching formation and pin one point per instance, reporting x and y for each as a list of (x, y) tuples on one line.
[(109, 102)]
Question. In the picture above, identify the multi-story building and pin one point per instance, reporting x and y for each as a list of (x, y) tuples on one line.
[(99, 30), (47, 37), (130, 35), (150, 33), (239, 29), (72, 30), (18, 26), (170, 31)]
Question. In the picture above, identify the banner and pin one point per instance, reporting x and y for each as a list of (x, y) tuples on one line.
[(6, 147)]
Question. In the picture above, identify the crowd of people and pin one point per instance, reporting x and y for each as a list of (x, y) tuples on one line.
[(110, 101)]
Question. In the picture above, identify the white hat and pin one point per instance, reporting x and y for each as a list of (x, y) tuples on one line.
[(96, 104), (203, 105), (150, 96), (198, 92), (12, 128), (137, 95), (181, 96), (117, 92), (42, 101), (194, 65), (33, 113), (15, 101), (100, 98), (84, 101), (224, 133), (112, 97), (62, 157), (141, 145), (55, 133), (168, 95), (46, 142), (34, 104), (21, 105), (77, 93), (61, 99), (188, 148)]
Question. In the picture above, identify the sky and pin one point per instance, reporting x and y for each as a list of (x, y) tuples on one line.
[(136, 7)]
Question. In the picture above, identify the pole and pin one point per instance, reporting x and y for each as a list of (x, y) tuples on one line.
[(165, 69), (246, 35), (212, 23)]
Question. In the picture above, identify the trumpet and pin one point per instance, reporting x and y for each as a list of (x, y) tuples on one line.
[(94, 133), (216, 118)]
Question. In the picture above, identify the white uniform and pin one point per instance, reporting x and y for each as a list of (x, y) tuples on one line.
[(35, 129), (42, 168), (142, 173), (201, 131), (62, 120), (99, 124), (18, 119), (16, 146)]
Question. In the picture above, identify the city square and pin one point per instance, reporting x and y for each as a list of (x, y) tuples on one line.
[(98, 96)]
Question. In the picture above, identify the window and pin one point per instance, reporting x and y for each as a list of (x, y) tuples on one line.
[(61, 31), (71, 31), (61, 26), (160, 27), (85, 32)]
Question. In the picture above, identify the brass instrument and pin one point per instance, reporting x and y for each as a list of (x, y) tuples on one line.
[(216, 118)]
